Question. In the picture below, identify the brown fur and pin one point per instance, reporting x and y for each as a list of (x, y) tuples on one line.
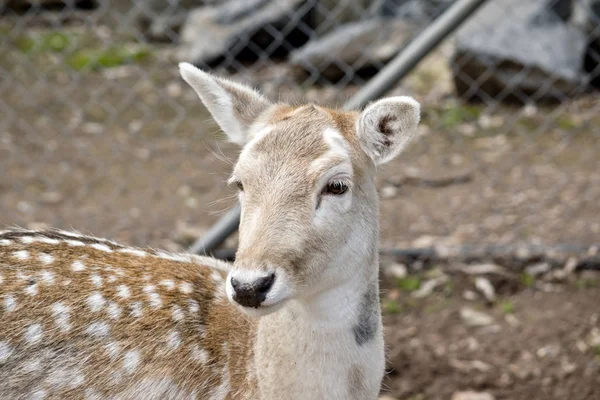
[(148, 335)]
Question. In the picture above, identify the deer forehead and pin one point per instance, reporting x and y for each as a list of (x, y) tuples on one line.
[(302, 142)]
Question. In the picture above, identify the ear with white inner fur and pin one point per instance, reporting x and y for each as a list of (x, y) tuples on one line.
[(386, 126), (233, 106)]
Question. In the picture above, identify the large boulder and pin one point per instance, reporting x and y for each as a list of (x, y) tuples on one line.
[(243, 28), (364, 46), (161, 20), (586, 16), (519, 50)]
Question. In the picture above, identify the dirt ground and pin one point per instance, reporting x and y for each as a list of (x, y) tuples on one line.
[(129, 153)]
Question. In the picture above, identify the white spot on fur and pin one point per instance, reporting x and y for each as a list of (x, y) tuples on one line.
[(96, 280), (149, 289), (47, 277), (5, 242), (5, 351), (96, 302), (34, 333), (22, 276), (31, 366), (98, 329), (173, 257), (177, 313), (101, 247), (38, 394), (186, 288), (91, 394), (136, 309), (168, 284), (173, 340), (131, 360), (200, 355), (77, 266), (123, 292), (216, 277), (221, 391), (47, 240), (154, 300), (27, 239), (114, 311), (70, 233), (61, 315), (113, 349), (10, 304), (193, 306), (46, 258), (111, 278), (1, 279), (134, 252), (32, 290), (21, 255), (74, 243)]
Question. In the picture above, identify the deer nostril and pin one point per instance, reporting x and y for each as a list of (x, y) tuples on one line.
[(235, 283), (263, 285)]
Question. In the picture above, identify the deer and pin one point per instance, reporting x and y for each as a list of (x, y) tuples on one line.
[(295, 316)]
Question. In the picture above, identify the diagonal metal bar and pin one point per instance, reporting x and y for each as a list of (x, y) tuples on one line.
[(396, 69)]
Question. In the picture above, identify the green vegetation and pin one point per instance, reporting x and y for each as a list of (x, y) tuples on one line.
[(527, 280), (106, 58), (507, 307), (586, 283), (596, 351), (80, 51), (391, 307), (409, 283)]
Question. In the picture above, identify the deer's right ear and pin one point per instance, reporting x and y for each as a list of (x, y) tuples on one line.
[(233, 106)]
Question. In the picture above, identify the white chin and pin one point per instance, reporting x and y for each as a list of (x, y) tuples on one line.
[(261, 311)]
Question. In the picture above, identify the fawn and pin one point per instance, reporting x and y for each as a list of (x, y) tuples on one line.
[(297, 315)]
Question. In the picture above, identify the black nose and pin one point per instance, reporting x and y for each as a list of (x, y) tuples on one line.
[(254, 293)]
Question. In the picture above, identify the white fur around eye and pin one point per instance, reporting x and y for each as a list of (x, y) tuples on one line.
[(331, 208)]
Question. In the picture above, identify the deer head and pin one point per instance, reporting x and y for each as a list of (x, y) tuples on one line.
[(306, 182)]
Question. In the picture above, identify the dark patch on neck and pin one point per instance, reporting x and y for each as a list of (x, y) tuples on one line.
[(368, 316)]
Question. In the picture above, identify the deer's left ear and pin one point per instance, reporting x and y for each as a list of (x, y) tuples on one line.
[(233, 106), (386, 126)]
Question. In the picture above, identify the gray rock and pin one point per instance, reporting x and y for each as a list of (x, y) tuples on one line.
[(17, 4), (519, 50), (586, 16), (161, 20), (354, 47), (421, 11), (241, 27)]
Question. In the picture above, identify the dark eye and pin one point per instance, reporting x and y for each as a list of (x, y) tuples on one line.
[(240, 186), (337, 188)]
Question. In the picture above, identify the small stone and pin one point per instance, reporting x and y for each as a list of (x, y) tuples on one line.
[(388, 192), (470, 395), (93, 128), (470, 295), (537, 269), (51, 197), (396, 270), (429, 286), (475, 318), (482, 269), (486, 287)]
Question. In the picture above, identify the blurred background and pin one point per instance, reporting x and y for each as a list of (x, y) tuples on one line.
[(490, 220)]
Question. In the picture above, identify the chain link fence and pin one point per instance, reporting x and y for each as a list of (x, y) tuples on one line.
[(99, 133)]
